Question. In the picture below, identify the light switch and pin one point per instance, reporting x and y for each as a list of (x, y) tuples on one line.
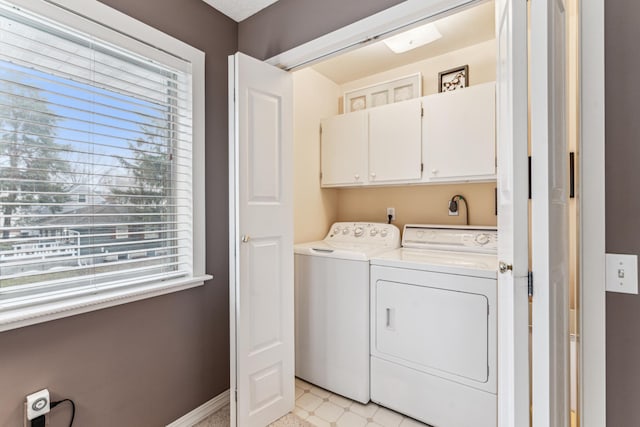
[(622, 273)]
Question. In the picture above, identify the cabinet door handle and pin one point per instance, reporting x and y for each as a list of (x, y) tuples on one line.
[(356, 176), (246, 238), (373, 174), (434, 171)]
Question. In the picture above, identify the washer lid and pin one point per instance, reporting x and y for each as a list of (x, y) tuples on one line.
[(479, 239), (341, 250)]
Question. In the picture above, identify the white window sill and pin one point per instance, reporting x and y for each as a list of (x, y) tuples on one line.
[(18, 318)]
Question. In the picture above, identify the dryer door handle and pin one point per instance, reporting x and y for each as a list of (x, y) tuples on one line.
[(390, 318)]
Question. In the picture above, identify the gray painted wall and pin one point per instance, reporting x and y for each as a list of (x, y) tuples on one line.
[(290, 23), (622, 151), (149, 362)]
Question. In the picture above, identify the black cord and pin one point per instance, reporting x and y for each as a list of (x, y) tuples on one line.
[(73, 408), (466, 205), (40, 421), (389, 219)]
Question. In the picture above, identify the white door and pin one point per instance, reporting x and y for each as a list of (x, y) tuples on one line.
[(344, 149), (261, 240), (395, 145), (511, 127), (549, 216), (465, 150)]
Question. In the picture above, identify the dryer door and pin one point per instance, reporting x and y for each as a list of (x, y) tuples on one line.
[(441, 331)]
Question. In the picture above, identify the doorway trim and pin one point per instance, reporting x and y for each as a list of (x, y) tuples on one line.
[(592, 315), (591, 233), (396, 18)]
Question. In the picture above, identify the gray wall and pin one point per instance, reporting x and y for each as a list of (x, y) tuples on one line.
[(149, 362), (622, 151), (290, 23)]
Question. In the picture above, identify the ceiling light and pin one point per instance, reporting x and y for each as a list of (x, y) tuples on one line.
[(414, 38)]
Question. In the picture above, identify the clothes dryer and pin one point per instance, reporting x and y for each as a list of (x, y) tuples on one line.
[(434, 326)]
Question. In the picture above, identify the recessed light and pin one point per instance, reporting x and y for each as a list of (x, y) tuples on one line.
[(414, 38)]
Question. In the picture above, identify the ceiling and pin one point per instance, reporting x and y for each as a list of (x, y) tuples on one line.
[(466, 28), (239, 10)]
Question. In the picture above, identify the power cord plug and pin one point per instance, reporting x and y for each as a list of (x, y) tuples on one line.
[(38, 421)]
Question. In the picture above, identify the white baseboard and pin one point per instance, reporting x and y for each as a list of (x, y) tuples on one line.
[(202, 411)]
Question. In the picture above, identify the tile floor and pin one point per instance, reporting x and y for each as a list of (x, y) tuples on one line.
[(322, 408)]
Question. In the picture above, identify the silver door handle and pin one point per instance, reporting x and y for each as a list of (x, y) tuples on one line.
[(504, 267), (246, 238), (389, 318)]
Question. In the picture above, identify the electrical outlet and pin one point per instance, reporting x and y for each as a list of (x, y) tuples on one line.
[(392, 212), (38, 403)]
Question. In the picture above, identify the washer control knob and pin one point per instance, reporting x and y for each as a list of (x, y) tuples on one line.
[(345, 230), (373, 232), (384, 232), (336, 230), (358, 231), (482, 239)]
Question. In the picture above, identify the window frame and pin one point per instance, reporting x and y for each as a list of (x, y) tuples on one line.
[(108, 24)]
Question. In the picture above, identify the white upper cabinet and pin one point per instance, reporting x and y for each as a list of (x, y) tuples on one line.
[(452, 141), (344, 149), (458, 134), (395, 151)]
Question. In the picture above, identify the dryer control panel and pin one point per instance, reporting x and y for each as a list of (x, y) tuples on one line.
[(447, 238), (370, 233)]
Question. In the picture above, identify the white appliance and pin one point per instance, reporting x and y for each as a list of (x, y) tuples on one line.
[(332, 306), (434, 326)]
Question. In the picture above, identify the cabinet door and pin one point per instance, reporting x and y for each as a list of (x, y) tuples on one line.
[(458, 132), (395, 148), (344, 149)]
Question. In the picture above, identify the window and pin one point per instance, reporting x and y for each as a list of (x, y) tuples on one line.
[(99, 152)]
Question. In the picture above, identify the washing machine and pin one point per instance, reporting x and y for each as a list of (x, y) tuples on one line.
[(332, 306), (434, 326)]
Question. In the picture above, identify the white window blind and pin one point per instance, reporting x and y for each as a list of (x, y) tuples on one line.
[(95, 163)]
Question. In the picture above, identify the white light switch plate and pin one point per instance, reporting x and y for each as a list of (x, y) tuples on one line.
[(622, 273)]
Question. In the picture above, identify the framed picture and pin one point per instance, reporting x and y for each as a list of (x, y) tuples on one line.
[(388, 92), (453, 79)]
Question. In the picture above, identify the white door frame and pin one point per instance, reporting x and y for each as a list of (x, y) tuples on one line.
[(591, 189), (591, 229)]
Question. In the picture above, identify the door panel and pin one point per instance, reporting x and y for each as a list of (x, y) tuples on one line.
[(459, 134), (264, 147), (395, 148), (261, 236), (344, 149), (513, 250)]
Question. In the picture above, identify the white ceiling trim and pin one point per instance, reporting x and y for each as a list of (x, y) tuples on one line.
[(239, 10)]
